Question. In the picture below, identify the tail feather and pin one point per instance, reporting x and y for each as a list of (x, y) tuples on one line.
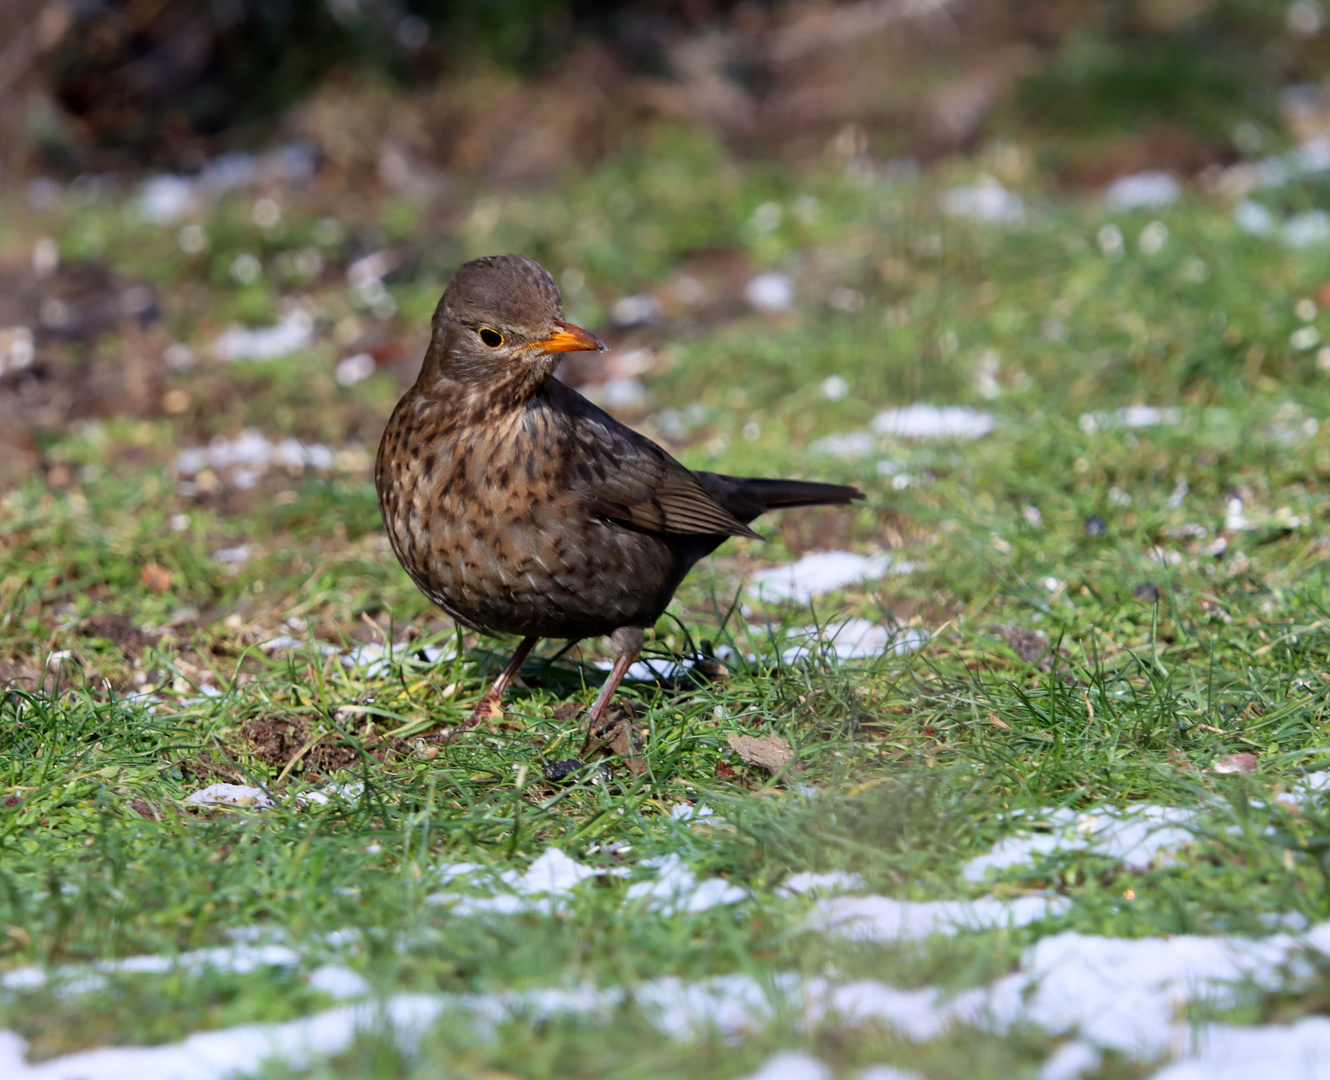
[(747, 497)]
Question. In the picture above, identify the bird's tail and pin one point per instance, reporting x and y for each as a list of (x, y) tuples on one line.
[(747, 497), (778, 493)]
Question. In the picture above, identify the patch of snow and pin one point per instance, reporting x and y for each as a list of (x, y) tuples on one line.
[(292, 334), (853, 639), (789, 1066), (230, 795), (883, 918), (622, 394), (834, 387), (1143, 190), (675, 889), (24, 978), (235, 555), (690, 812), (806, 883), (17, 348), (1306, 229), (987, 200), (543, 886), (1069, 1061), (651, 668), (888, 1072), (1130, 416), (553, 874), (821, 572), (1254, 218), (846, 445), (642, 309), (1297, 1050), (338, 982), (349, 793), (1127, 996), (252, 451), (772, 292), (212, 1055), (1139, 416), (933, 422), (354, 369), (1138, 836), (168, 197)]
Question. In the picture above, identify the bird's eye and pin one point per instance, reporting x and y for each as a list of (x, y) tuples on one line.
[(492, 338)]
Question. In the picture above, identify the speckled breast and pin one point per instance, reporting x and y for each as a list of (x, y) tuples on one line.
[(481, 515)]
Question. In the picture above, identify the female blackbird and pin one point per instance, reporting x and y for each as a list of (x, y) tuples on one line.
[(519, 507)]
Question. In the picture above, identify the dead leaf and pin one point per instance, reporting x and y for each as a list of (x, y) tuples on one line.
[(770, 752), (1235, 763), (616, 735), (621, 743), (993, 719), (156, 577)]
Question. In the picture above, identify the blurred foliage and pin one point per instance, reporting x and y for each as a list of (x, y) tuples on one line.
[(149, 77)]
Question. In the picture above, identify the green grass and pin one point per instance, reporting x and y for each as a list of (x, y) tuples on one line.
[(918, 761)]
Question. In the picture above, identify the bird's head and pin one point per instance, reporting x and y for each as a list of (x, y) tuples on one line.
[(500, 325)]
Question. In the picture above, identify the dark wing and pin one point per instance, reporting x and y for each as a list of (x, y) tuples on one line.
[(626, 478)]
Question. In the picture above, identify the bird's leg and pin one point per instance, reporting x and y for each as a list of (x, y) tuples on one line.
[(490, 705), (627, 641)]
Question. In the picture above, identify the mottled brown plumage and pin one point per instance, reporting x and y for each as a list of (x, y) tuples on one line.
[(519, 507)]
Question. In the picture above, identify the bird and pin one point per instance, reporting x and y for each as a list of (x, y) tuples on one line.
[(521, 508)]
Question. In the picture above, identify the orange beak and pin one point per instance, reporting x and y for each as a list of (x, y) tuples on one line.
[(570, 338)]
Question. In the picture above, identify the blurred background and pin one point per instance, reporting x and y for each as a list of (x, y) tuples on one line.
[(225, 225)]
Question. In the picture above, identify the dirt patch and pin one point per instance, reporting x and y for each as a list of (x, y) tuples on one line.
[(275, 740), (120, 631), (20, 674)]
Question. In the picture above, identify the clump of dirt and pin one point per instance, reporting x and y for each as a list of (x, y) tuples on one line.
[(120, 631), (20, 674), (275, 740)]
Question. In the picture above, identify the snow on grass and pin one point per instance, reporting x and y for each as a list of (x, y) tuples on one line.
[(231, 795), (549, 882), (1130, 416), (242, 1050), (675, 889), (1240, 1053), (986, 201), (884, 918), (770, 292), (81, 978), (544, 886), (821, 572), (1145, 190), (253, 798), (293, 333), (791, 1067), (807, 883), (852, 639), (1138, 836), (933, 422), (1127, 996), (243, 460)]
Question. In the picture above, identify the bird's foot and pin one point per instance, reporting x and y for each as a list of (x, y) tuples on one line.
[(488, 708)]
